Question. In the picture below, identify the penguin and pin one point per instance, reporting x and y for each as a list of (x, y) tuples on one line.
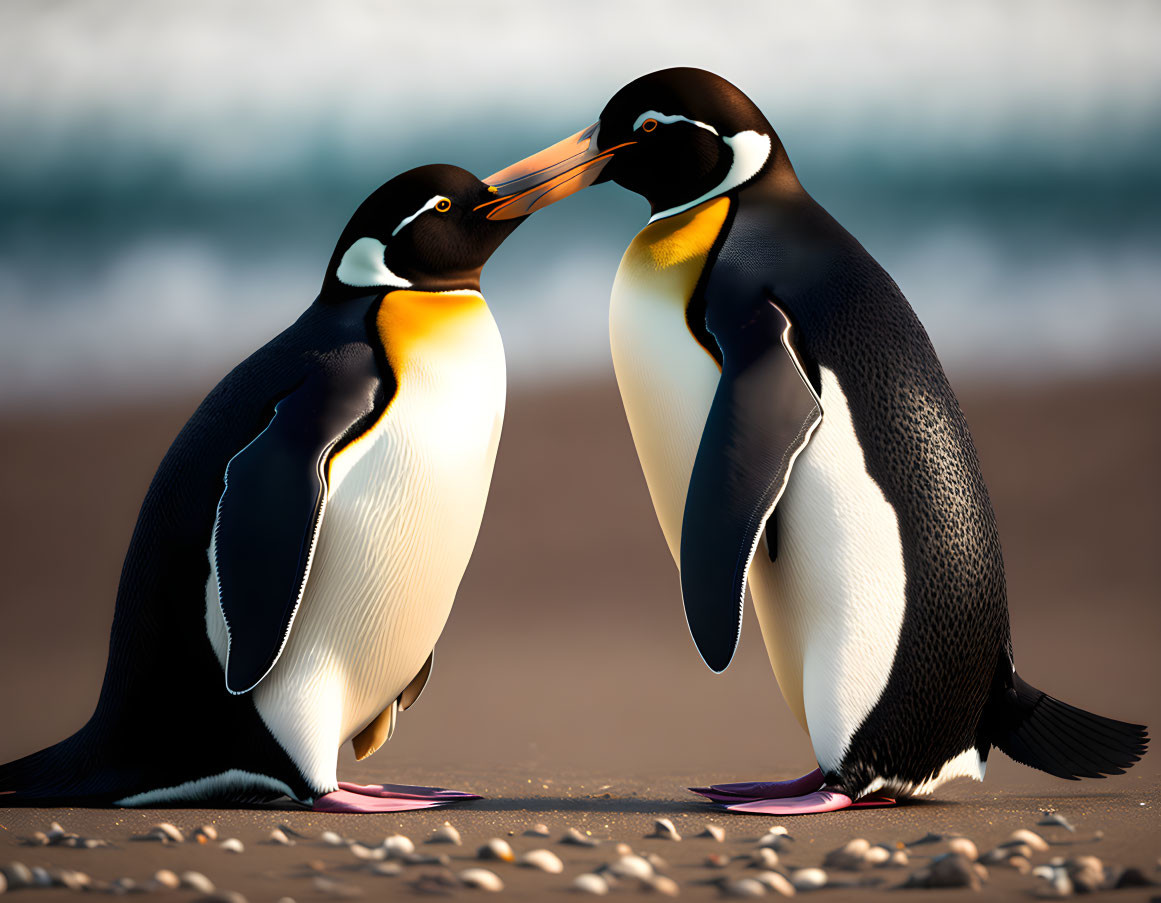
[(798, 436), (300, 546)]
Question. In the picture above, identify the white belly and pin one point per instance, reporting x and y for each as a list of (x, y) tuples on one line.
[(403, 511), (831, 606)]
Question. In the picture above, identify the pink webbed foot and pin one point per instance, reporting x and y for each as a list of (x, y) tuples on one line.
[(762, 790), (387, 798), (809, 804)]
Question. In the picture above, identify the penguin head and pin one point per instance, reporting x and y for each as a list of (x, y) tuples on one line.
[(677, 137), (423, 230)]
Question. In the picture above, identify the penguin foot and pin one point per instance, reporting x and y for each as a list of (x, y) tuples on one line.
[(762, 790), (387, 798), (810, 804)]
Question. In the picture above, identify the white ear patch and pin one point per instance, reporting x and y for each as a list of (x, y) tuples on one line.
[(429, 205), (751, 150), (667, 118), (362, 266)]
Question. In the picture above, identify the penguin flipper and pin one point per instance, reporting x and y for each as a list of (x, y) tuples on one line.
[(271, 510), (762, 416)]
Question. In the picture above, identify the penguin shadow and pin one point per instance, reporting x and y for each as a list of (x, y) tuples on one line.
[(614, 805)]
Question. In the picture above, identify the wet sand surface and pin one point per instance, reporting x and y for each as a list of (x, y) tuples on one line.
[(566, 688)]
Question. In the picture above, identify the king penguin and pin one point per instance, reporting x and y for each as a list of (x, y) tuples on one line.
[(299, 549), (798, 435)]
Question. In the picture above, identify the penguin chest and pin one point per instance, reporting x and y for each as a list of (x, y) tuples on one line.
[(667, 380), (404, 506)]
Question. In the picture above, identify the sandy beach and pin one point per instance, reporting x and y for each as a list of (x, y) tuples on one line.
[(566, 689)]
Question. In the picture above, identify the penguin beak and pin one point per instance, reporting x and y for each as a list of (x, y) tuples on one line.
[(547, 176)]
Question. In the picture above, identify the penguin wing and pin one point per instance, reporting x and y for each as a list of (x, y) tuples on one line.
[(272, 508), (762, 416)]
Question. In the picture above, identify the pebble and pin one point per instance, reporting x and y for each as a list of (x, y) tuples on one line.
[(1028, 838), (398, 845), (1058, 883), (537, 831), (483, 879), (73, 880), (632, 866), (664, 885), (900, 859), (576, 838), (591, 884), (166, 878), (623, 849), (166, 833), (496, 849), (849, 857), (744, 887), (949, 870), (964, 847), (1087, 873), (386, 869), (278, 837), (366, 853), (878, 855), (197, 881), (38, 839), (233, 845), (225, 896), (715, 832), (808, 879), (775, 840), (205, 834), (1019, 863), (18, 875), (445, 833), (664, 829), (545, 860), (719, 860), (331, 839), (41, 877), (777, 883), (1057, 820), (340, 890), (764, 857)]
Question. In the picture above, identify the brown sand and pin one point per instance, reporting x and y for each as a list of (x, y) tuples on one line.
[(567, 689)]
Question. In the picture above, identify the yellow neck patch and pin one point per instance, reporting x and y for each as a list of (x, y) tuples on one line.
[(683, 238), (409, 322)]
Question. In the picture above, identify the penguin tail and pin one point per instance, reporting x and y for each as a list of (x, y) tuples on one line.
[(60, 774), (1041, 731)]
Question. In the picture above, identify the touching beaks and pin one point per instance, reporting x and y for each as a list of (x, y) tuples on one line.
[(547, 176)]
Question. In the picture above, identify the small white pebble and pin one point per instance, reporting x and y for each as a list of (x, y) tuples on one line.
[(632, 867), (55, 832), (367, 854), (715, 832), (278, 837), (205, 834), (744, 887), (776, 883), (808, 879), (576, 838), (445, 833), (591, 884), (765, 857), (496, 849), (1031, 838), (545, 860), (398, 845), (774, 840), (664, 885), (664, 829), (899, 858), (331, 839), (778, 829), (540, 830), (483, 879), (168, 832), (386, 869), (232, 845), (166, 878), (197, 881), (964, 847), (877, 856)]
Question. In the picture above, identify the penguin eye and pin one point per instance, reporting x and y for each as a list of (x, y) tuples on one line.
[(443, 205), (648, 125)]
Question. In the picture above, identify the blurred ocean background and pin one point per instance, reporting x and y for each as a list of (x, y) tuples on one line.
[(173, 176)]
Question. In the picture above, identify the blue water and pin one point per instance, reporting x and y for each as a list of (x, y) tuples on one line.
[(172, 180)]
